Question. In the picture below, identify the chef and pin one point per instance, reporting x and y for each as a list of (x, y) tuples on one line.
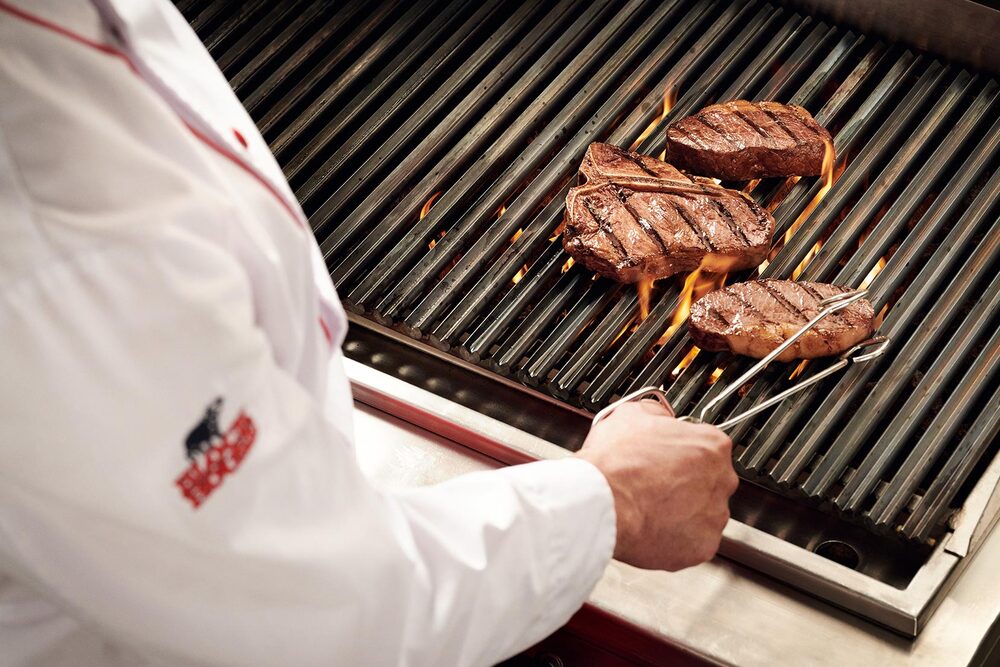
[(177, 475)]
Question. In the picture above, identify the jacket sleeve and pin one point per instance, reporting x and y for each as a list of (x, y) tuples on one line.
[(290, 557)]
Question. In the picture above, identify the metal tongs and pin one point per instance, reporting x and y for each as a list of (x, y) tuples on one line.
[(830, 306)]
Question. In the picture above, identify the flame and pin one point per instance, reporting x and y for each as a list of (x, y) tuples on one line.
[(643, 289), (520, 274), (799, 369), (716, 374), (763, 267), (430, 202), (568, 265), (427, 209), (669, 97), (697, 284), (748, 188), (501, 210), (805, 260), (828, 179), (685, 362), (558, 230), (622, 332), (877, 269), (434, 242), (516, 235), (663, 155)]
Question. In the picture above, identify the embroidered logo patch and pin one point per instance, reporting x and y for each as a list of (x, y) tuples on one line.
[(213, 454)]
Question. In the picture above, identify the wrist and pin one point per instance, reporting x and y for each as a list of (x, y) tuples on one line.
[(624, 508)]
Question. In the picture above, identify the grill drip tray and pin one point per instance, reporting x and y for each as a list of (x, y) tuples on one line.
[(889, 581)]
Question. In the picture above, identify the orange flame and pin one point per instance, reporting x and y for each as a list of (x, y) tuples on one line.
[(622, 332), (877, 269), (430, 202), (516, 235), (427, 209), (643, 289), (669, 98), (434, 242), (716, 374), (558, 230), (828, 179), (568, 265), (501, 210), (697, 284), (520, 274), (805, 260), (799, 369), (685, 362)]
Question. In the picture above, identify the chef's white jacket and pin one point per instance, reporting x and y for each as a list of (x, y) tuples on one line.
[(177, 478)]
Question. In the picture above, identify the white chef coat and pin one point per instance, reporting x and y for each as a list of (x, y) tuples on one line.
[(177, 479)]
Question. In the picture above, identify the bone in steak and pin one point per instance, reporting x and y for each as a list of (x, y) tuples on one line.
[(741, 140), (755, 317), (635, 227)]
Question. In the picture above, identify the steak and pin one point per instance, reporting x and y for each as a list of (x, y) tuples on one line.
[(753, 318), (740, 140), (642, 227), (604, 162)]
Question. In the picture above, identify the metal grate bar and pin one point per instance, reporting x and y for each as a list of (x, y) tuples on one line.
[(266, 103), (483, 213), (544, 270), (393, 149), (984, 431), (541, 315), (901, 319), (382, 233), (287, 146), (496, 276), (594, 299), (778, 427), (556, 171), (931, 387), (981, 376)]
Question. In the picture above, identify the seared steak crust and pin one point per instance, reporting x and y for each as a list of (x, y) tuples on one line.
[(635, 228), (741, 140), (753, 318), (604, 162)]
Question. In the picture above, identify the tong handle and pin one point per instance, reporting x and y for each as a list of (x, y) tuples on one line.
[(651, 392)]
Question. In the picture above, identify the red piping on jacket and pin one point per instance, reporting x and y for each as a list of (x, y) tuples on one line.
[(221, 150), (118, 53)]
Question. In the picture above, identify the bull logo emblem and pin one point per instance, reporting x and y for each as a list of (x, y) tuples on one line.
[(199, 440)]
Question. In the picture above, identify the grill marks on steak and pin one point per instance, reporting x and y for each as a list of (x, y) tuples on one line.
[(753, 318), (740, 140), (638, 227), (604, 162)]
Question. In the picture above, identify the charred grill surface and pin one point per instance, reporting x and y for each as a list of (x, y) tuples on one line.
[(740, 140), (373, 109)]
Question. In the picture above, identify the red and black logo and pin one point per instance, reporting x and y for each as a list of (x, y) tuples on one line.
[(213, 454)]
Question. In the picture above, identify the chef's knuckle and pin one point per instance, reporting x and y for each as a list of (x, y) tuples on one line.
[(732, 481)]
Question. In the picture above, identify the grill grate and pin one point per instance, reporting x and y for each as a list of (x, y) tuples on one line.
[(479, 113)]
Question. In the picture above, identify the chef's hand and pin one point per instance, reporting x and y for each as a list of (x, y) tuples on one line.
[(671, 482)]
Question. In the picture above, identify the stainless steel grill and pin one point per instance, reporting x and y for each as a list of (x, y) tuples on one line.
[(433, 144)]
